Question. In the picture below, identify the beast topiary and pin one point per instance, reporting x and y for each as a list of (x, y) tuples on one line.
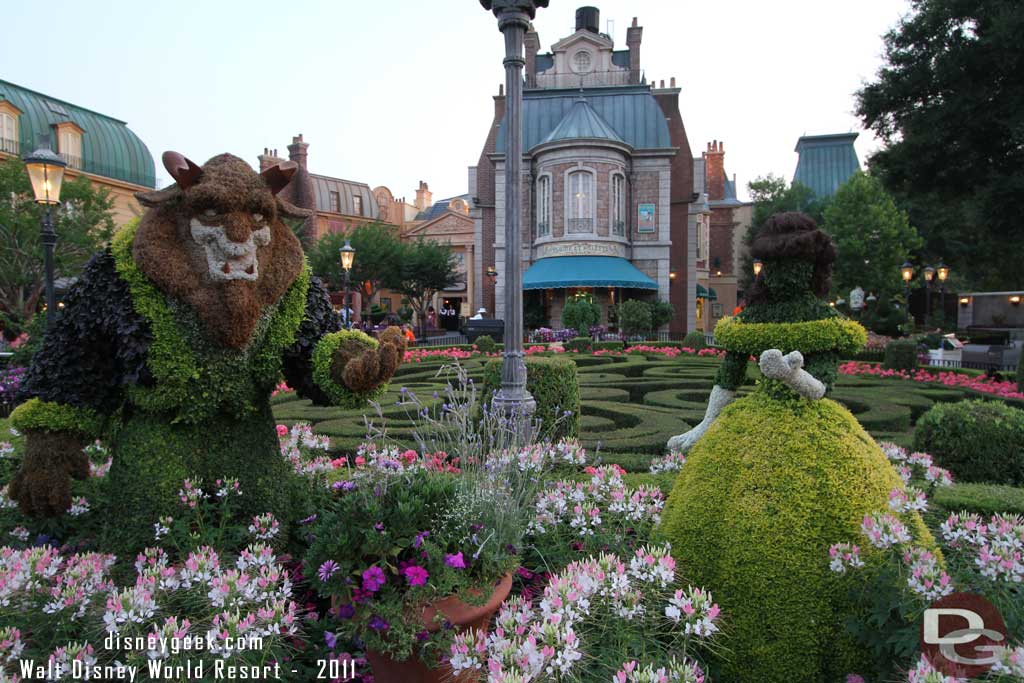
[(775, 478), (170, 345)]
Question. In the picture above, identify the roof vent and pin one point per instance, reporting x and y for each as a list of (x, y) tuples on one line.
[(588, 18)]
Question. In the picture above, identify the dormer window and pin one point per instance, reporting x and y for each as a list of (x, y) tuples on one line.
[(9, 127), (335, 200), (69, 143), (357, 205)]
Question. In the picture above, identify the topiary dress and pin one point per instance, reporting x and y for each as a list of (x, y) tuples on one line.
[(778, 477)]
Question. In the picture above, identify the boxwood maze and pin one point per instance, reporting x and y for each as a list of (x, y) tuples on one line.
[(631, 404)]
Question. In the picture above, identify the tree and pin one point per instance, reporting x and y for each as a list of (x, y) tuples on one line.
[(872, 235), (662, 313), (948, 105), (634, 317), (771, 195), (377, 257), (427, 267), (580, 314), (84, 224)]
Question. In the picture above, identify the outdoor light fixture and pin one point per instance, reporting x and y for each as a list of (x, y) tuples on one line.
[(943, 271), (672, 274), (46, 173), (929, 274), (348, 255), (1015, 299), (871, 298), (907, 269), (964, 300), (492, 273), (758, 267)]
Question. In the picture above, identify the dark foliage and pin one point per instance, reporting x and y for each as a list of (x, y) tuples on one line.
[(298, 358), (979, 441), (901, 355)]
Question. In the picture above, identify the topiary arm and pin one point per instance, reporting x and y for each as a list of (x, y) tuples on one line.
[(319, 320), (351, 367)]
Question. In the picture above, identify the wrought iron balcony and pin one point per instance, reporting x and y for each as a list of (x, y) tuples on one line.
[(578, 225), (619, 228), (9, 146), (543, 229)]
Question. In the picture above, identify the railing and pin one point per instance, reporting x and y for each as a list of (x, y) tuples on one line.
[(444, 340), (582, 80), (73, 161), (578, 225), (619, 228), (969, 364), (9, 146), (543, 229)]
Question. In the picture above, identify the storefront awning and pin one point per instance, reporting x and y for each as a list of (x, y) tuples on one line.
[(706, 293), (561, 272)]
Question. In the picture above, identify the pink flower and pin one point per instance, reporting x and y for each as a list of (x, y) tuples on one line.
[(360, 461), (409, 457), (282, 430), (456, 561), (373, 579), (416, 575)]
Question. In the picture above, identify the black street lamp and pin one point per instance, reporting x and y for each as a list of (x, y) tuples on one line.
[(758, 267), (348, 255), (46, 173), (492, 274), (907, 271), (942, 270), (929, 275), (514, 18)]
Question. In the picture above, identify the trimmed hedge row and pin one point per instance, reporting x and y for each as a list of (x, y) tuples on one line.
[(900, 355), (978, 441), (554, 386)]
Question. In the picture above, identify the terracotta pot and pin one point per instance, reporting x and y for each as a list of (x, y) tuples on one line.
[(459, 614)]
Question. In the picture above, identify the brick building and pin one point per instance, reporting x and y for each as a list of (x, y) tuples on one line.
[(607, 183), (94, 145)]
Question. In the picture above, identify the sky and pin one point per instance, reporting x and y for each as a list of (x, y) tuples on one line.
[(395, 92)]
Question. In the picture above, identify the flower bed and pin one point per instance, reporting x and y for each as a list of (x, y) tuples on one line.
[(949, 379)]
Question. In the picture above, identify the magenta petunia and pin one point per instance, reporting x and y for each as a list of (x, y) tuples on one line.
[(373, 579), (416, 575), (456, 561)]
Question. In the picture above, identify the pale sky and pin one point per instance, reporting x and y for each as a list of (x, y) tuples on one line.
[(394, 92)]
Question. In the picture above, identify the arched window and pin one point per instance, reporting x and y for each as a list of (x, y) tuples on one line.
[(580, 202), (543, 206), (618, 215)]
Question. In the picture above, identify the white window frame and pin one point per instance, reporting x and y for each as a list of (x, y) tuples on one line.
[(334, 201), (70, 145), (543, 221), (357, 204), (617, 203), (8, 133), (584, 206)]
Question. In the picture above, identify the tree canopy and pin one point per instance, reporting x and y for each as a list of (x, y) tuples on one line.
[(427, 267), (377, 260), (949, 105), (84, 224), (872, 235)]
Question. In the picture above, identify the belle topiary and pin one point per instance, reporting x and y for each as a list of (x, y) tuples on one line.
[(170, 345), (775, 478)]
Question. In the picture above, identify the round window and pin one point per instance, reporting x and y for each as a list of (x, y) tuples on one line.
[(581, 62)]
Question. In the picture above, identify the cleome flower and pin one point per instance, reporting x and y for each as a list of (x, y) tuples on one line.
[(884, 530), (926, 578), (844, 556)]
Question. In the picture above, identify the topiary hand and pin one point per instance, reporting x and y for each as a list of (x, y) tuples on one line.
[(362, 369), (788, 369), (42, 486)]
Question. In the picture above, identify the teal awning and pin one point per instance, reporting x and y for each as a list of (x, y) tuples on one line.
[(709, 293), (561, 272)]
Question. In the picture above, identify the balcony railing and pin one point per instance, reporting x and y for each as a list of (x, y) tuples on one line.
[(73, 161), (578, 225), (570, 79), (619, 228), (9, 146), (543, 229)]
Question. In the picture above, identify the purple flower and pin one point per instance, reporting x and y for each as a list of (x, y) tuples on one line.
[(330, 639), (308, 520), (344, 486), (346, 611), (418, 541), (422, 635), (327, 570), (379, 526), (456, 561), (416, 575), (378, 624), (373, 579)]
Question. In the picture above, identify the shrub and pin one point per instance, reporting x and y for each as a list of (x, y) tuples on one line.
[(753, 513), (608, 346), (579, 344), (554, 386), (695, 340), (486, 344), (901, 355), (1020, 371), (580, 314), (982, 499), (662, 313), (981, 441), (634, 317)]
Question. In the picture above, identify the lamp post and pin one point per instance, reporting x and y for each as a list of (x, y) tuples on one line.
[(514, 18), (46, 173), (929, 275), (348, 255), (492, 274), (942, 270), (758, 267), (907, 271)]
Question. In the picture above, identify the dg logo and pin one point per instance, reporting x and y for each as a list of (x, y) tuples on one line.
[(963, 635)]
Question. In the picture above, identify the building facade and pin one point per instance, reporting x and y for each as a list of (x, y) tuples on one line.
[(96, 146), (607, 183)]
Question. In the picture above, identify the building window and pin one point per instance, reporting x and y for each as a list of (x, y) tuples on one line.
[(618, 205), (581, 200), (544, 206), (357, 205), (8, 133), (335, 202), (70, 146), (703, 238)]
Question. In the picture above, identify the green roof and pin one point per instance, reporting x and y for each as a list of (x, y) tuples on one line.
[(630, 112), (582, 122), (826, 162), (561, 272), (109, 148)]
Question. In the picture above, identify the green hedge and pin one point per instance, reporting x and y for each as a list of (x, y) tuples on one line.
[(751, 516), (44, 416), (555, 387), (983, 499), (339, 394), (579, 344), (900, 355), (608, 346), (695, 340), (813, 336), (979, 441), (1020, 371), (486, 344)]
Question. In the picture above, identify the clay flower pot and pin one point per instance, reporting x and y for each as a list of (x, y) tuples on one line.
[(457, 613)]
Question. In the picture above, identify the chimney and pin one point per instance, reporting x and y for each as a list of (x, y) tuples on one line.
[(588, 19), (714, 165), (532, 44), (423, 197), (633, 35), (269, 158), (297, 151)]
